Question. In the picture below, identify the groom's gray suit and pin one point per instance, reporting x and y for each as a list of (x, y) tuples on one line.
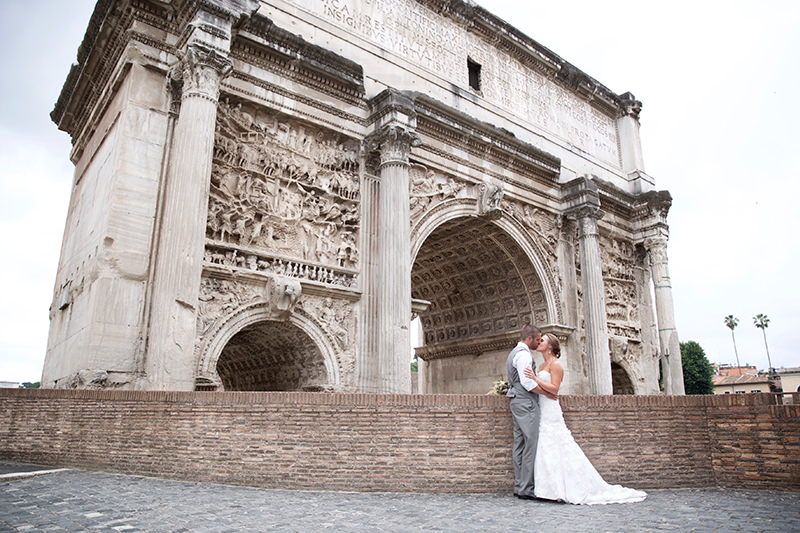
[(525, 413)]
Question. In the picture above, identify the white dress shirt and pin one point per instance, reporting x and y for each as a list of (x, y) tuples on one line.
[(522, 360)]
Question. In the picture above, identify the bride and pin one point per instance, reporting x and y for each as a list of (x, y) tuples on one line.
[(562, 471)]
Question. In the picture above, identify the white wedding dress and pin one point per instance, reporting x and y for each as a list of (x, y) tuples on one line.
[(562, 471)]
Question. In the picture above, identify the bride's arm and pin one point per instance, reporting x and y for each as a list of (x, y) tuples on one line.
[(556, 375), (548, 389)]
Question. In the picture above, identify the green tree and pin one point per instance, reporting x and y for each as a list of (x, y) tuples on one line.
[(29, 385), (697, 371), (762, 322), (732, 322)]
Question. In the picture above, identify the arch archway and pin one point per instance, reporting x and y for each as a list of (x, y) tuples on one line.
[(620, 380), (269, 356), (483, 285), (252, 351), (465, 209)]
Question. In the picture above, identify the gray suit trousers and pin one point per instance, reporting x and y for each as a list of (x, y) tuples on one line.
[(525, 413)]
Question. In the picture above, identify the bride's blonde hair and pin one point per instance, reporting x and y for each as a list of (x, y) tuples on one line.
[(554, 344)]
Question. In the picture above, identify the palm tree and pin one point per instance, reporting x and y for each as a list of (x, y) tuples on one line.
[(762, 321), (732, 322)]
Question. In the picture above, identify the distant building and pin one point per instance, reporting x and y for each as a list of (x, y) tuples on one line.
[(729, 370), (790, 379), (9, 384), (741, 384)]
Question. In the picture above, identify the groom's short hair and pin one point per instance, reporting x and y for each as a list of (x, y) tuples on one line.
[(530, 330)]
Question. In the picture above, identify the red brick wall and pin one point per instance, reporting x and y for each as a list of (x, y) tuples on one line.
[(424, 443)]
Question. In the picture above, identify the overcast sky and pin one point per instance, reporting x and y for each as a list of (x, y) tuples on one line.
[(719, 82)]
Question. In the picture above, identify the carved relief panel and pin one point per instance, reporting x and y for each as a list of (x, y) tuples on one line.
[(282, 189), (622, 299), (621, 291)]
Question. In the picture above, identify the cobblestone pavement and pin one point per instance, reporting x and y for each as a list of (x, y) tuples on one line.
[(77, 500)]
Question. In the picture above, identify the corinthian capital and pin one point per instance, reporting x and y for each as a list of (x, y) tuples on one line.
[(586, 216), (394, 143), (203, 68), (657, 248)]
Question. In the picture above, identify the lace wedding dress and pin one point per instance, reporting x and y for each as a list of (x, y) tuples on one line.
[(562, 472)]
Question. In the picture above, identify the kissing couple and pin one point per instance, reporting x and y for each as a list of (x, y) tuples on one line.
[(548, 463)]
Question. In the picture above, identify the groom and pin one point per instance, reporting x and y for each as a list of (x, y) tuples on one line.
[(524, 410)]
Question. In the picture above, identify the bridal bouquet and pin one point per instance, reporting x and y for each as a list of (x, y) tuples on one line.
[(500, 388)]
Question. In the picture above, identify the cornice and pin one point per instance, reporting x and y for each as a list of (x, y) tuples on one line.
[(265, 44), (107, 36), (615, 200), (343, 117), (473, 347)]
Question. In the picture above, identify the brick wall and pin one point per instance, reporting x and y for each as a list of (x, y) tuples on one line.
[(422, 443)]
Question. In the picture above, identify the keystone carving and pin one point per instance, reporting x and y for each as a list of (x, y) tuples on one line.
[(282, 294)]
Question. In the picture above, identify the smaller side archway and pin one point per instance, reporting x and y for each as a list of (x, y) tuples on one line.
[(621, 380), (252, 351)]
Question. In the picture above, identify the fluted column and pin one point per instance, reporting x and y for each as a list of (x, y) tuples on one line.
[(671, 367), (594, 304), (386, 367), (178, 264), (394, 260)]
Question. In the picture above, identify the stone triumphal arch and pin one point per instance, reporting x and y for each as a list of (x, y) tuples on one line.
[(268, 192)]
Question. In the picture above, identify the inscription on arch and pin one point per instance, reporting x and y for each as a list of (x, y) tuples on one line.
[(438, 44)]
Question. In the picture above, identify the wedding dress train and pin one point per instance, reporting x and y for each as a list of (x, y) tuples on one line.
[(562, 471)]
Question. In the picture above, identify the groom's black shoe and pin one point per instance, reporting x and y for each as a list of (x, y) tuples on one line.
[(525, 497)]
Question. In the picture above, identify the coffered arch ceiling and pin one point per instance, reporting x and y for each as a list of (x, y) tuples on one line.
[(271, 356), (479, 281)]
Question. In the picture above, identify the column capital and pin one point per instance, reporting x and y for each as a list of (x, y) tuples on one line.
[(585, 211), (653, 243), (394, 120), (586, 216), (651, 215), (394, 143), (201, 70), (657, 248)]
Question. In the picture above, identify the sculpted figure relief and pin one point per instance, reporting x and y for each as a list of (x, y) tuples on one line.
[(427, 188), (544, 226), (228, 258), (284, 188), (282, 295), (621, 293), (338, 319), (490, 198), (219, 298)]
